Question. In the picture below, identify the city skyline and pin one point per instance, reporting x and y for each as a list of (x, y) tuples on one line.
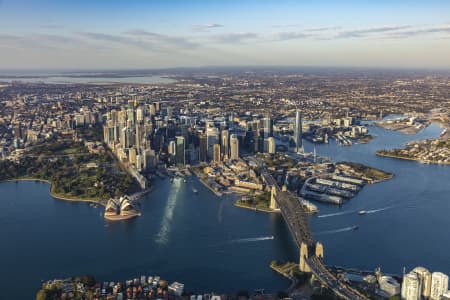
[(153, 34)]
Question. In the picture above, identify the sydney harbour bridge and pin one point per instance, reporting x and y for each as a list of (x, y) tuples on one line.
[(311, 255)]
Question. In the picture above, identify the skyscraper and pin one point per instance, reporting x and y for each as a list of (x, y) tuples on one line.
[(411, 289), (172, 150), (180, 151), (439, 285), (267, 127), (298, 132), (212, 135), (225, 136), (216, 157), (203, 141), (271, 147), (234, 145)]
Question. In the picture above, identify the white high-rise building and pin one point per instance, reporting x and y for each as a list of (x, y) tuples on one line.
[(411, 289), (425, 280), (234, 145), (439, 285), (271, 146), (140, 114)]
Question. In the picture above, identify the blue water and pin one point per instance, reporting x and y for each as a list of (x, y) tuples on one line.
[(408, 217), (198, 239), (210, 245)]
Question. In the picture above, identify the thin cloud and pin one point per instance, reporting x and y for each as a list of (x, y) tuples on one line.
[(162, 39), (358, 33), (421, 31), (321, 29), (284, 36), (235, 38), (206, 27)]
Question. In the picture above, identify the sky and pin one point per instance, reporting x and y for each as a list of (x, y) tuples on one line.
[(131, 34)]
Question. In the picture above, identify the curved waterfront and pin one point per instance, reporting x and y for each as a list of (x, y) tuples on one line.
[(208, 244), (198, 239), (407, 221)]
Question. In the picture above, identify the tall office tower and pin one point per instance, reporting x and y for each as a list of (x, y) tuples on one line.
[(439, 285), (140, 114), (123, 138), (139, 162), (180, 151), (139, 135), (157, 106), (151, 109), (225, 137), (267, 127), (425, 280), (216, 157), (411, 289), (122, 117), (172, 150), (212, 135), (298, 132), (271, 146), (114, 117), (231, 120), (203, 141), (234, 147), (130, 115), (170, 111), (132, 155)]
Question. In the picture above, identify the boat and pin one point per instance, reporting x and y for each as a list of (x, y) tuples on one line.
[(355, 227), (195, 190), (362, 212), (184, 180)]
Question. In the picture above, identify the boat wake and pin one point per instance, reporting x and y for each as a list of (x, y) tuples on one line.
[(349, 228), (372, 211), (337, 214), (250, 240)]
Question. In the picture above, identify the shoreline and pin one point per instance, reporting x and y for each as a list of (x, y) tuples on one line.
[(56, 196), (255, 208), (412, 159)]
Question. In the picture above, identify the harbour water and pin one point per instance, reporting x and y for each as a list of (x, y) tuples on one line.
[(407, 221), (210, 245), (195, 238)]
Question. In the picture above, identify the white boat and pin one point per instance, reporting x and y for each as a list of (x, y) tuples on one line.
[(195, 190), (362, 212)]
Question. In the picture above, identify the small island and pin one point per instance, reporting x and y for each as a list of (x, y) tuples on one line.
[(435, 151)]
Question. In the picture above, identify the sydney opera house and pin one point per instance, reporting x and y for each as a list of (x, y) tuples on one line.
[(121, 209)]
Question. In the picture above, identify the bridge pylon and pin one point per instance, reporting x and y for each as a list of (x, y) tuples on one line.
[(273, 200), (319, 250), (303, 266)]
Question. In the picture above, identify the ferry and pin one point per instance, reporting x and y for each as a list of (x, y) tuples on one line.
[(355, 227), (195, 190), (362, 212)]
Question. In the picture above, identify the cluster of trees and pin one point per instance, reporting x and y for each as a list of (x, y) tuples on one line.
[(62, 164), (372, 173)]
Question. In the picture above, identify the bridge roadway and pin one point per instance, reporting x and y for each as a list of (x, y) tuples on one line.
[(296, 219)]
